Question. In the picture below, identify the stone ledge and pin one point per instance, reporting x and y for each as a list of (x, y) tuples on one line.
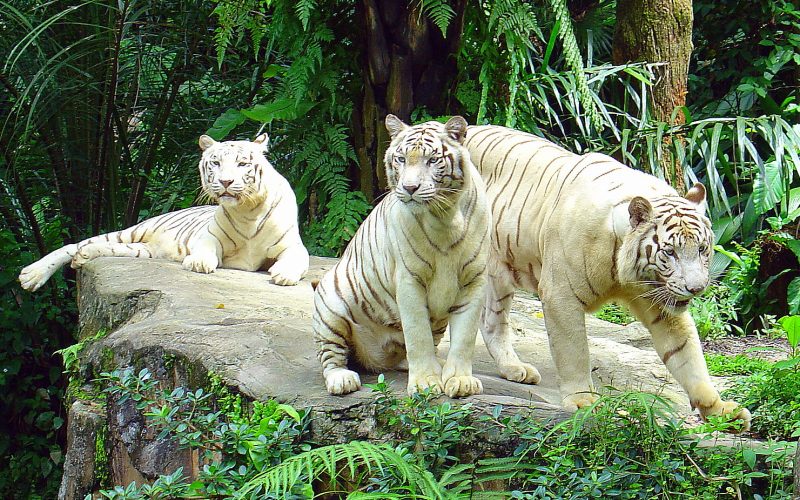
[(256, 337)]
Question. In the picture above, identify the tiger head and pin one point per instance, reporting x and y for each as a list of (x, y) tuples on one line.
[(424, 163), (232, 171), (674, 240)]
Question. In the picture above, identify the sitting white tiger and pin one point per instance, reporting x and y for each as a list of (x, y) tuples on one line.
[(253, 227), (416, 264), (581, 231)]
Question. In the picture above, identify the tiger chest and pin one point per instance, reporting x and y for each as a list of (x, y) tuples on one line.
[(444, 289)]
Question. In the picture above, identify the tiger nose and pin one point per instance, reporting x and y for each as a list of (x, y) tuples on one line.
[(695, 289), (411, 188), (226, 183)]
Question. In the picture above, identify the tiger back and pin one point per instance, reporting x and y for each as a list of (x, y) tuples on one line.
[(414, 266), (584, 230), (252, 227)]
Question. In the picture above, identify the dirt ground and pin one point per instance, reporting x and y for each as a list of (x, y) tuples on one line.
[(755, 347)]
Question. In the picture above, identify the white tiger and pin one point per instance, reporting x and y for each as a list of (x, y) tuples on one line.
[(253, 227), (416, 264), (581, 231)]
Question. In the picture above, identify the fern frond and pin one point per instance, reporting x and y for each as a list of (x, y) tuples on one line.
[(303, 9), (438, 11), (344, 460), (572, 55)]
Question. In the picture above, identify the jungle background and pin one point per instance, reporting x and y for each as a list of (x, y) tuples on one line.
[(102, 103)]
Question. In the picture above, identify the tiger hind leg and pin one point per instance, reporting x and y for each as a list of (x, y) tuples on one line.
[(330, 333), (94, 250), (35, 275), (495, 330)]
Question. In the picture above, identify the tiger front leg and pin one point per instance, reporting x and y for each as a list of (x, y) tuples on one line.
[(93, 250), (291, 265), (424, 370), (205, 254), (677, 343), (332, 334), (566, 331), (495, 329), (457, 371)]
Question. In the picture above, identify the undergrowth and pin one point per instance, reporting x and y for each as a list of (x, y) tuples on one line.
[(630, 445)]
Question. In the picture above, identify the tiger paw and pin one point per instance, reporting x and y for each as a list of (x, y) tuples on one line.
[(341, 381), (579, 400), (524, 373), (731, 409), (286, 273), (459, 387), (419, 383), (32, 277), (200, 263)]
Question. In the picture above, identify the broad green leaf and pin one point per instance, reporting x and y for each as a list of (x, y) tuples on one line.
[(271, 71), (786, 364), (768, 188), (791, 325), (280, 109), (223, 125), (749, 457), (793, 295)]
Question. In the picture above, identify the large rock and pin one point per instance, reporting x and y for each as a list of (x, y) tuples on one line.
[(257, 338)]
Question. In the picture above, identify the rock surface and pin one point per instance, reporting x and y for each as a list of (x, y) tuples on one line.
[(257, 338)]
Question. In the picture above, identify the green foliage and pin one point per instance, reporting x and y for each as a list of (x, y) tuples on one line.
[(773, 399), (771, 394), (438, 11), (433, 432), (306, 103), (741, 68), (715, 312), (31, 382), (630, 446), (574, 61), (234, 444), (615, 313), (740, 364)]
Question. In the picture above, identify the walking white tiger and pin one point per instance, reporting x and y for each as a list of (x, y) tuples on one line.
[(581, 231), (253, 227), (416, 264)]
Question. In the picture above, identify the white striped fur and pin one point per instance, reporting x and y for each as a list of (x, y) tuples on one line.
[(253, 227), (584, 230), (415, 265)]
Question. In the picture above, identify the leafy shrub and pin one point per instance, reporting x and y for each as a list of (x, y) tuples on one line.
[(234, 442), (740, 364), (714, 313), (626, 446), (615, 313), (771, 395), (32, 326)]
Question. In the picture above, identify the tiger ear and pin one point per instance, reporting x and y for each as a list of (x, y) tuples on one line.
[(697, 195), (263, 140), (639, 211), (456, 128), (394, 125), (206, 142)]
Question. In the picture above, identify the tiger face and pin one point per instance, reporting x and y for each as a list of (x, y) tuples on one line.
[(231, 171), (675, 248), (424, 162)]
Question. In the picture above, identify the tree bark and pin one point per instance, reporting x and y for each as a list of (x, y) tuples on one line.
[(659, 31), (407, 63)]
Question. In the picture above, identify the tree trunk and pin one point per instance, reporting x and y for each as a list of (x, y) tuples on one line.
[(407, 63), (659, 31)]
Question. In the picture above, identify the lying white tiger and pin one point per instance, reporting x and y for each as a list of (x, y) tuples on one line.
[(581, 231), (253, 227), (416, 264)]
